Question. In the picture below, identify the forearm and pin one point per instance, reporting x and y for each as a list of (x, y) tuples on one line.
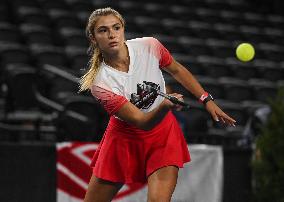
[(146, 121), (184, 77), (152, 118)]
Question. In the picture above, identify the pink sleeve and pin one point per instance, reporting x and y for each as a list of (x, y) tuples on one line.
[(165, 56), (109, 100)]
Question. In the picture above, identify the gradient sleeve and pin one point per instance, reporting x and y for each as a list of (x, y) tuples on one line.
[(165, 58), (108, 99)]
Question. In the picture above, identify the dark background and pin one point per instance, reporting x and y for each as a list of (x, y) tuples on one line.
[(43, 51)]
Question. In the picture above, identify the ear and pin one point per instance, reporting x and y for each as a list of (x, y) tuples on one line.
[(93, 40)]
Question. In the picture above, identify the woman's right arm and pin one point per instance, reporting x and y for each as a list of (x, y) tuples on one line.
[(146, 121), (119, 106)]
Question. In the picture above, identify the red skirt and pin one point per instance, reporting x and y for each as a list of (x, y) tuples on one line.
[(127, 154)]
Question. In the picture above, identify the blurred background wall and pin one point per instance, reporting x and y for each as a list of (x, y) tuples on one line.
[(43, 52)]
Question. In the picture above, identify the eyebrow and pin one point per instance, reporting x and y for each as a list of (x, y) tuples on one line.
[(110, 26)]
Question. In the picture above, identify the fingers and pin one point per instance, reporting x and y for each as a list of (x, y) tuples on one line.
[(229, 120), (215, 117), (218, 114), (225, 119), (177, 95), (177, 107)]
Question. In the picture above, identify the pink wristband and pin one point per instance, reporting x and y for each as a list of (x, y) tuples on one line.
[(203, 97)]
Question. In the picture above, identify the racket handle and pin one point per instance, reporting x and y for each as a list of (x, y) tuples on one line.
[(171, 98), (177, 101), (174, 99)]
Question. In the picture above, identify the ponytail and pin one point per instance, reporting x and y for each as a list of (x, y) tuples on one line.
[(94, 64)]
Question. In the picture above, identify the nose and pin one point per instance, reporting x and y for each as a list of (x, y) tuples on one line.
[(111, 34)]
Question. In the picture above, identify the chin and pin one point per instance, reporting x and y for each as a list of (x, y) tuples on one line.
[(113, 50)]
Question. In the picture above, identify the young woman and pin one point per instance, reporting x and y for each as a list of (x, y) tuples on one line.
[(143, 141)]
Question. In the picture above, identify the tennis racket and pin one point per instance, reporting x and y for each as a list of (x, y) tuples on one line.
[(148, 86)]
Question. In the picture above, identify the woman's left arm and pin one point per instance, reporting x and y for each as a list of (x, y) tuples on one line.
[(187, 80)]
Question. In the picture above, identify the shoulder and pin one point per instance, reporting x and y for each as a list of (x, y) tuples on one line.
[(143, 41)]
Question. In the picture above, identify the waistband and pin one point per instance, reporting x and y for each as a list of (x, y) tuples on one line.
[(127, 128)]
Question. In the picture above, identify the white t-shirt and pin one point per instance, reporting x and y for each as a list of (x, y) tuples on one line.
[(113, 87)]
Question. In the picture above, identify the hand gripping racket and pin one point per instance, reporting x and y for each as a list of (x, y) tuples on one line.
[(152, 88)]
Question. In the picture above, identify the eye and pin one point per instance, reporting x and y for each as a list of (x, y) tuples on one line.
[(102, 30), (117, 27)]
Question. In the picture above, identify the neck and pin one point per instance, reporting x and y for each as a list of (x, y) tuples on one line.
[(119, 60)]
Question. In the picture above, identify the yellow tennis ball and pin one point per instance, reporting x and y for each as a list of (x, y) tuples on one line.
[(245, 52)]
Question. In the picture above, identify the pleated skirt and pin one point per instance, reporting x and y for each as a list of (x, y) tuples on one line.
[(127, 154)]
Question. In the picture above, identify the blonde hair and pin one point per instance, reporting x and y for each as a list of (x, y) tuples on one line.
[(96, 55)]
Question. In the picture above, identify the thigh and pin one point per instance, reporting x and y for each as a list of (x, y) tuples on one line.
[(100, 190), (162, 183)]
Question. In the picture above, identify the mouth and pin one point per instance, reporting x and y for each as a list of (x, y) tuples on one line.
[(113, 44)]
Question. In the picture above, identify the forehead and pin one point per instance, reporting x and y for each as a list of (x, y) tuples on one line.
[(107, 21)]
